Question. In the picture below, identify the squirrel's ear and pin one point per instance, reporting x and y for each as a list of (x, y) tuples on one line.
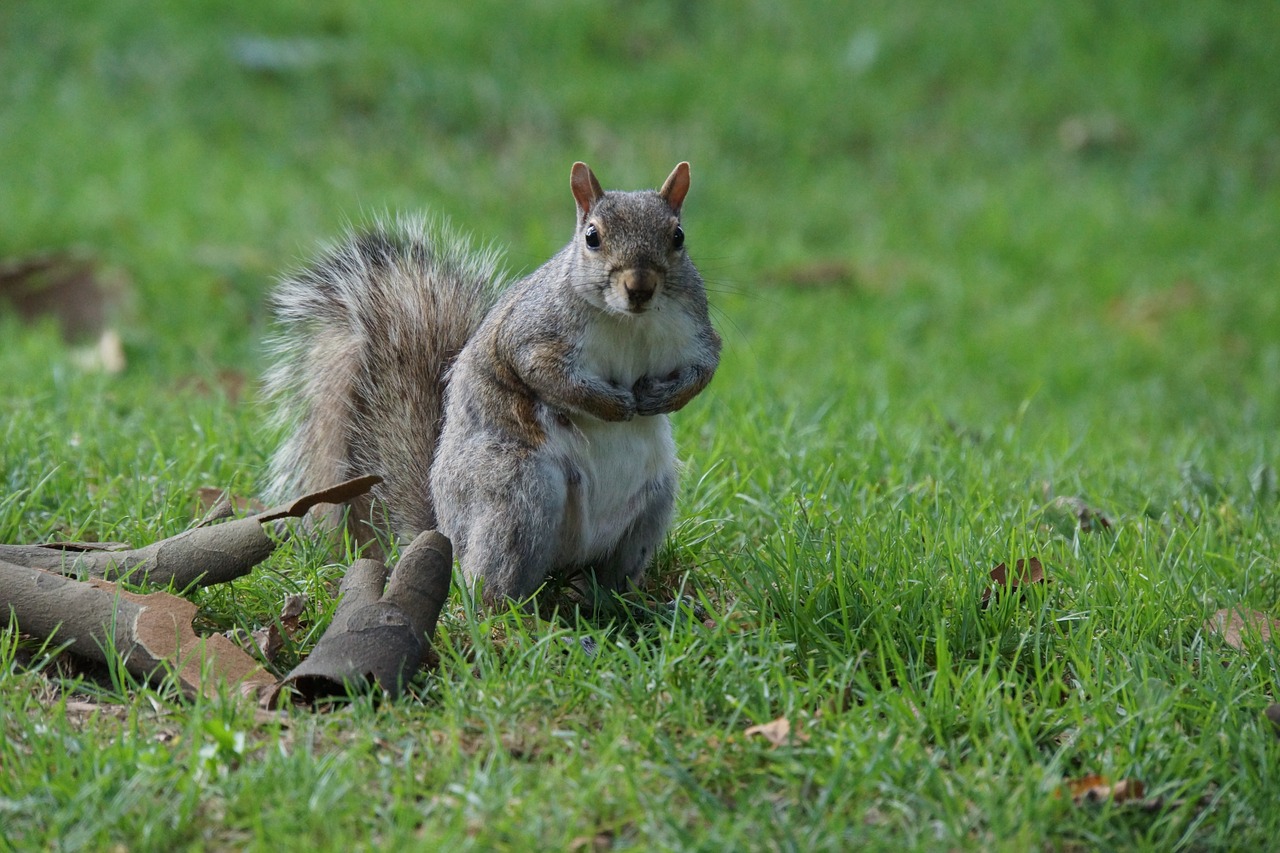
[(676, 187), (586, 189)]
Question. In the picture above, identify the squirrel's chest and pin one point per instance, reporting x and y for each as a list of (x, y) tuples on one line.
[(623, 349)]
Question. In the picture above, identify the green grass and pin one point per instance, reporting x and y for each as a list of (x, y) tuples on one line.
[(1048, 238)]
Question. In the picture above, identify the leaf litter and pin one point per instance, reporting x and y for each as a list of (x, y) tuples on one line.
[(1025, 573)]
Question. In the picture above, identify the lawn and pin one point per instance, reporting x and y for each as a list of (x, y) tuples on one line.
[(996, 282)]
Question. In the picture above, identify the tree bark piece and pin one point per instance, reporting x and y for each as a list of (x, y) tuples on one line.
[(149, 632), (198, 557), (376, 637)]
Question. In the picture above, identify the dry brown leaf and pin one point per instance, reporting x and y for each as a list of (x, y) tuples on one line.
[(80, 709), (105, 355), (265, 642), (777, 732), (229, 383), (1074, 510), (291, 613), (1093, 132), (599, 841), (1025, 573), (211, 497), (65, 286), (1237, 625), (817, 274), (1094, 789)]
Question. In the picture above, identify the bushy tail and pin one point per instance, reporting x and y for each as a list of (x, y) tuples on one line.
[(364, 339)]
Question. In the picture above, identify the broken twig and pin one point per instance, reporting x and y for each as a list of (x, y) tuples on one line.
[(198, 557), (149, 632)]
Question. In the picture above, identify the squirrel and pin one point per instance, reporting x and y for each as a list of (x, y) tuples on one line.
[(528, 423)]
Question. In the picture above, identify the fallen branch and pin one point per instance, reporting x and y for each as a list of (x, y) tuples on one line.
[(150, 633), (197, 557), (378, 637)]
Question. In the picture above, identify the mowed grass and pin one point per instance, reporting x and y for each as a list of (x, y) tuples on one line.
[(972, 264)]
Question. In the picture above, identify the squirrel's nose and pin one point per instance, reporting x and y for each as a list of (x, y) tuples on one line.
[(639, 286)]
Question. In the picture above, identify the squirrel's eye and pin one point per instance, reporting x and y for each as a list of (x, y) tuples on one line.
[(593, 237), (677, 239)]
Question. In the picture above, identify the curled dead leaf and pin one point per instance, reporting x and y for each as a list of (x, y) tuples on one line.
[(818, 274), (1095, 789), (67, 286), (1079, 134), (291, 613), (219, 503), (777, 732), (1025, 573), (1066, 513), (1237, 625), (106, 355), (599, 841), (265, 642)]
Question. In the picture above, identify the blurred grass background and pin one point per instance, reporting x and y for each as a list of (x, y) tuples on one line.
[(999, 185)]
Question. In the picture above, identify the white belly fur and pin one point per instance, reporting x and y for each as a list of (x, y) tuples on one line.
[(617, 461), (613, 463)]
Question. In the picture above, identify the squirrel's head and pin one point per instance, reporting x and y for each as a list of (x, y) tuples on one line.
[(632, 239)]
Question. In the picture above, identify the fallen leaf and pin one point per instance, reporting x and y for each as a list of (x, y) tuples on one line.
[(1066, 512), (269, 641), (229, 383), (107, 355), (599, 841), (1146, 313), (341, 493), (1094, 789), (1025, 573), (818, 274), (1093, 132), (80, 710), (265, 642), (213, 498), (1236, 625), (62, 285), (291, 613), (777, 732)]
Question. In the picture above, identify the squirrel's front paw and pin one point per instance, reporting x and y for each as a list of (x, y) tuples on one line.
[(623, 406), (655, 396)]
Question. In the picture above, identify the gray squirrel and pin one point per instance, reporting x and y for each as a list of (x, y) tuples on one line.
[(527, 423)]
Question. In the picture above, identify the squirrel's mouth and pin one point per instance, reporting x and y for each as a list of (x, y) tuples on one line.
[(636, 288)]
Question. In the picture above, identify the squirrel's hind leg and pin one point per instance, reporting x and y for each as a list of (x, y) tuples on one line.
[(507, 545)]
